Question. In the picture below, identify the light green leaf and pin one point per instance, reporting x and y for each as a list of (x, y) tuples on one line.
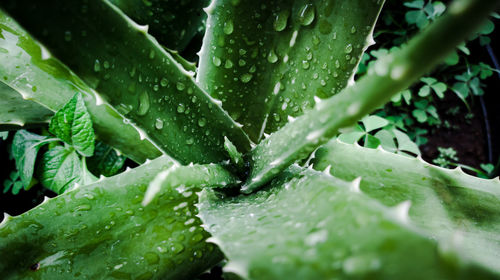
[(73, 125), (420, 115), (424, 91), (135, 74), (439, 88), (374, 122), (417, 4), (307, 225), (60, 169), (446, 204), (101, 231), (25, 146), (235, 156), (267, 61)]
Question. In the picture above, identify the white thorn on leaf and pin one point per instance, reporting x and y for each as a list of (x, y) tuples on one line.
[(236, 267), (317, 99), (6, 218), (401, 211), (354, 186), (327, 170), (154, 187), (290, 119)]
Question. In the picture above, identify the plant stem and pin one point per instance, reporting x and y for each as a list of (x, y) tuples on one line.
[(390, 75)]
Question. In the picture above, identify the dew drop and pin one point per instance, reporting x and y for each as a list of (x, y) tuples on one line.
[(159, 124), (306, 14), (228, 27), (143, 104), (245, 78), (190, 141), (353, 30), (163, 82), (202, 122), (281, 20), (216, 61), (97, 65), (181, 108), (228, 64), (348, 48), (272, 57), (180, 86)]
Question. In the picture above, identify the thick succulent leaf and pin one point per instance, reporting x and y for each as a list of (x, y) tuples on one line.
[(444, 202), (60, 169), (17, 112), (28, 68), (172, 22), (313, 226), (73, 125), (212, 175), (25, 146), (101, 231), (390, 75), (134, 73), (267, 60)]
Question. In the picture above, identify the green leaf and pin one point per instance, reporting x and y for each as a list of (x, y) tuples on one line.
[(420, 115), (374, 122), (390, 75), (18, 112), (307, 225), (417, 4), (266, 61), (235, 156), (447, 204), (140, 78), (60, 169), (4, 135), (101, 231), (173, 23), (439, 89), (105, 160), (29, 68), (73, 125), (424, 91), (25, 146)]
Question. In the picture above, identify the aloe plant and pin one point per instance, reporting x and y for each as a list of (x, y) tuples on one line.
[(222, 147)]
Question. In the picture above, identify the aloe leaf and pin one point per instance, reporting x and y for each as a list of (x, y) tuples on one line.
[(28, 68), (101, 231), (135, 74), (16, 112), (267, 60), (444, 202), (307, 225), (212, 175), (174, 23), (390, 75)]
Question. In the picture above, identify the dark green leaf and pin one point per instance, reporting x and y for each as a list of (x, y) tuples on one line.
[(60, 169), (105, 160), (73, 125), (25, 146)]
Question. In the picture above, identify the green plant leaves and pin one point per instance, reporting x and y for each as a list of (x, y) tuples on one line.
[(60, 169), (101, 231), (135, 74), (307, 225), (267, 60), (29, 69), (445, 203), (73, 125), (25, 146)]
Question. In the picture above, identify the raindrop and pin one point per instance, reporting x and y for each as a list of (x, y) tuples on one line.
[(164, 82), (180, 86), (306, 14), (228, 27), (202, 122), (245, 78), (143, 104), (348, 48), (97, 65), (228, 64), (159, 123), (181, 108), (272, 57), (216, 61), (281, 20)]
